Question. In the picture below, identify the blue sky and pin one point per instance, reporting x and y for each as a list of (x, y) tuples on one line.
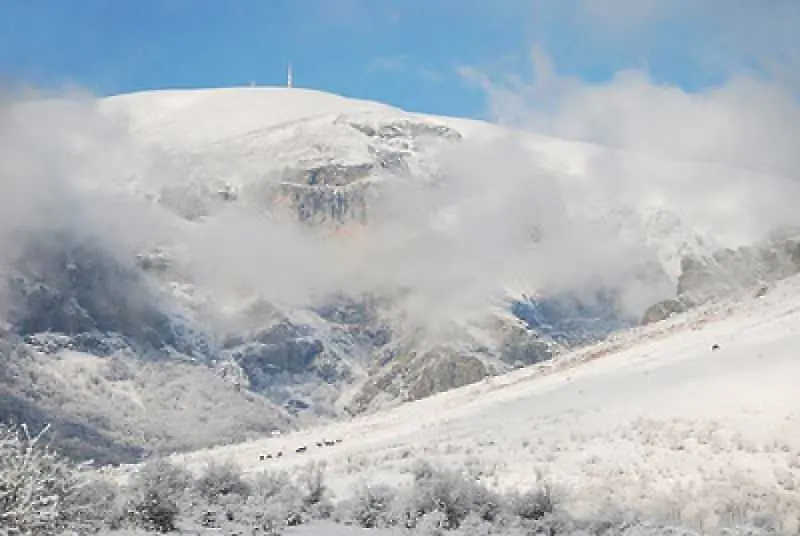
[(406, 53)]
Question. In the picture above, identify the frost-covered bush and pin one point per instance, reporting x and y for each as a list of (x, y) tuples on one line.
[(96, 505), (316, 495), (220, 481), (156, 494), (38, 488), (266, 504), (371, 507), (452, 494), (275, 502), (534, 504)]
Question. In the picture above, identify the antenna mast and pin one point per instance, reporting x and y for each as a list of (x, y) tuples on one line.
[(289, 75)]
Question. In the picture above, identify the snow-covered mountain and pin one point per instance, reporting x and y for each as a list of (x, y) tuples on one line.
[(300, 254)]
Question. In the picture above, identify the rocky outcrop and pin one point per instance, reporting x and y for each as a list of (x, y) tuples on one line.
[(412, 376), (412, 368), (274, 351), (443, 370), (407, 131), (322, 204), (662, 310), (572, 319), (74, 287), (728, 271)]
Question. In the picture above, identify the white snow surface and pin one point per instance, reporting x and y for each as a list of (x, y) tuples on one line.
[(191, 118), (651, 419)]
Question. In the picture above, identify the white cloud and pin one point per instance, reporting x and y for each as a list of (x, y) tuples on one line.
[(740, 138)]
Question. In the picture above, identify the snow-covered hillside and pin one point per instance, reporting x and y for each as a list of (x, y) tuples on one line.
[(314, 256), (695, 419)]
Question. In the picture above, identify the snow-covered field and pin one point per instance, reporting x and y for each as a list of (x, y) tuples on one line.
[(652, 419)]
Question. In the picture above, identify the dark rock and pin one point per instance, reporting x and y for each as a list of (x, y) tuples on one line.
[(571, 319), (444, 371), (74, 287), (522, 347), (662, 310)]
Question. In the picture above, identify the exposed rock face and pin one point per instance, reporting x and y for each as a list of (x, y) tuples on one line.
[(522, 346), (571, 319), (410, 369), (444, 369), (662, 310), (415, 376), (280, 348), (728, 271), (320, 205), (60, 284), (405, 130), (329, 184)]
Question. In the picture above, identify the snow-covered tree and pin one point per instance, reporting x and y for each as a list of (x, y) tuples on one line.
[(38, 488)]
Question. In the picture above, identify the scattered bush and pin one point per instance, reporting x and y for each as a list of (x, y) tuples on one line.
[(534, 504), (165, 478), (43, 494), (96, 504), (275, 502), (221, 480), (371, 507), (452, 494), (316, 496), (157, 492)]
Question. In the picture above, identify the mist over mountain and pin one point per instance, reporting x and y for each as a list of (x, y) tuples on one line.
[(250, 259)]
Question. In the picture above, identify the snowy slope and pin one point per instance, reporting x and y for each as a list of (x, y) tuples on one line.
[(652, 419), (193, 118)]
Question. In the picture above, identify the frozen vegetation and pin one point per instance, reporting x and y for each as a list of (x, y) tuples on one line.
[(42, 494)]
